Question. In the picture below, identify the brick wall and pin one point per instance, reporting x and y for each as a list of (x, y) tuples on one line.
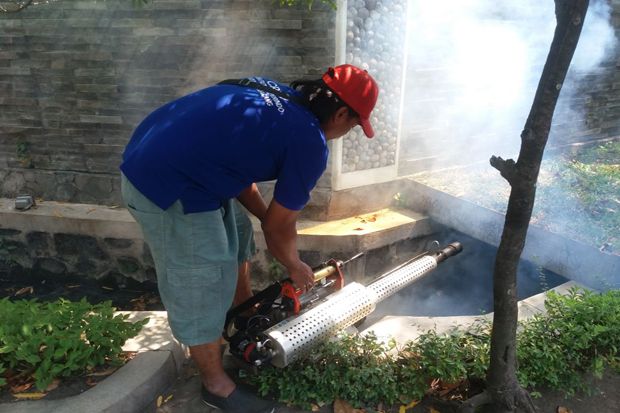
[(77, 76)]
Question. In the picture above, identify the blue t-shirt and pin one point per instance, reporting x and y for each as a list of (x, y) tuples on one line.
[(208, 146)]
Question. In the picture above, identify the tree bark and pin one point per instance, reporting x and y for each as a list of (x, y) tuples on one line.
[(503, 392)]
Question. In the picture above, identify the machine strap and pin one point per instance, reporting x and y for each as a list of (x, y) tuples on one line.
[(249, 83)]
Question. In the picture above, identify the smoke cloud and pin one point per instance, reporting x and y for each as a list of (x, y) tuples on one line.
[(473, 69)]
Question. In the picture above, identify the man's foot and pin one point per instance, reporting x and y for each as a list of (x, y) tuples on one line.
[(241, 400)]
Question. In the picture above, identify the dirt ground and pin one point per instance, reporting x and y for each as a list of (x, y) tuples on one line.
[(604, 397)]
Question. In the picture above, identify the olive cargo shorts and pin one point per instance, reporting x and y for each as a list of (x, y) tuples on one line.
[(196, 259)]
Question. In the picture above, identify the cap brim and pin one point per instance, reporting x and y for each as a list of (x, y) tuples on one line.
[(367, 128)]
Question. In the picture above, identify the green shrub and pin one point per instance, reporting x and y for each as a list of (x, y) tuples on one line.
[(354, 368), (61, 338), (450, 358), (580, 333), (365, 371)]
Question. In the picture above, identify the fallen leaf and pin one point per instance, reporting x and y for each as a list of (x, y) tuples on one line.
[(105, 372), (341, 406), (433, 410), (25, 290), (57, 214), (90, 381), (29, 396), (53, 385), (91, 210), (18, 388), (372, 218), (153, 300), (160, 400), (138, 304), (404, 408), (448, 387), (167, 399), (562, 409)]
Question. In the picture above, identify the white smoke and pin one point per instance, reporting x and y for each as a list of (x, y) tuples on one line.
[(474, 66)]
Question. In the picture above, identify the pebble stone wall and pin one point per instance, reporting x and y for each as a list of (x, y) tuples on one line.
[(376, 42)]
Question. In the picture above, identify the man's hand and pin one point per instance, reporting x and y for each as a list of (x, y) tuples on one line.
[(302, 276)]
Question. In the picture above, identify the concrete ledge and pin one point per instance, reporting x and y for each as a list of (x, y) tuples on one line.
[(62, 217), (407, 328), (362, 232), (569, 258), (132, 388), (359, 233)]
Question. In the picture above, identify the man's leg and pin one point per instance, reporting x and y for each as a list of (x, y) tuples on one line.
[(185, 290), (247, 249), (208, 359), (244, 285)]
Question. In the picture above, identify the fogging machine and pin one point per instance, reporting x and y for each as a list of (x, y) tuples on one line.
[(282, 323)]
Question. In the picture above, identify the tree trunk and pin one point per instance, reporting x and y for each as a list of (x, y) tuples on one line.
[(503, 392)]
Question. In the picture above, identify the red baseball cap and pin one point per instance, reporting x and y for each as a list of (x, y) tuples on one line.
[(357, 89)]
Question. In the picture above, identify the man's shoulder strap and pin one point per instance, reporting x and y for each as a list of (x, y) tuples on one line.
[(255, 85)]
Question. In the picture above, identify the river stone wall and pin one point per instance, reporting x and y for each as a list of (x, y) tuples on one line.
[(95, 241)]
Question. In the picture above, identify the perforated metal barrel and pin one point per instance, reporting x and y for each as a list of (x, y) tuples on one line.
[(292, 338), (402, 277)]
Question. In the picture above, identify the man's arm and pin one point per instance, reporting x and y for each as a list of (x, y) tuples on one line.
[(279, 228), (252, 200)]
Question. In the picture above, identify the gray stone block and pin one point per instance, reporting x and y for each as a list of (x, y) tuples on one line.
[(49, 265), (128, 265), (78, 245), (85, 266), (118, 243), (39, 242), (8, 232)]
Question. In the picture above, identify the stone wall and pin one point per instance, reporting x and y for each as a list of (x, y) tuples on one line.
[(62, 240), (76, 77)]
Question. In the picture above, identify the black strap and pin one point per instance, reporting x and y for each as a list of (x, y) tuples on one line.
[(249, 83)]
